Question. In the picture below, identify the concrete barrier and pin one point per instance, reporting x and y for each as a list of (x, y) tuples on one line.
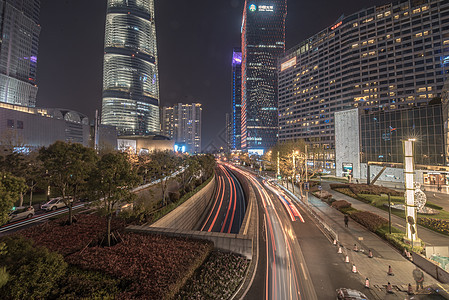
[(223, 241), (430, 267), (187, 215)]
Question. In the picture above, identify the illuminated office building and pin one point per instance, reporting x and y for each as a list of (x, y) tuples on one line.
[(18, 51), (378, 59), (263, 40), (235, 132), (130, 70), (182, 123)]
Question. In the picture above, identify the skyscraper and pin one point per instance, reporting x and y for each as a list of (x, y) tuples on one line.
[(18, 51), (182, 122), (130, 70), (236, 119), (263, 39)]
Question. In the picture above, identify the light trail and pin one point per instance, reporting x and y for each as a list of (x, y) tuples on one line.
[(216, 200)]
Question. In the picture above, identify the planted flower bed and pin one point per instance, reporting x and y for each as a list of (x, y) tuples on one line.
[(341, 204), (218, 278), (441, 226), (371, 221), (155, 267), (67, 239)]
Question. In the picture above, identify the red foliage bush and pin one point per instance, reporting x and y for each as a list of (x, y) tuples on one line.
[(155, 266), (340, 204), (67, 239), (369, 220), (338, 185), (372, 190)]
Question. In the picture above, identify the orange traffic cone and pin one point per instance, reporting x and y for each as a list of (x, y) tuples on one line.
[(339, 250), (355, 248), (354, 269), (410, 289), (370, 254), (346, 259), (390, 271), (367, 283), (389, 288)]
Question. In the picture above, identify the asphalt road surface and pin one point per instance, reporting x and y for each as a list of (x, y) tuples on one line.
[(229, 206)]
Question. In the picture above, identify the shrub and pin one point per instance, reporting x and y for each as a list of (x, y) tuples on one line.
[(89, 229), (324, 195), (340, 204), (174, 196), (371, 221), (397, 240), (33, 271), (435, 224), (85, 284), (373, 190), (156, 268), (338, 185)]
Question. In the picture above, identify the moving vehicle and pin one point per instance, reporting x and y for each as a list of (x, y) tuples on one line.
[(54, 204), (21, 212), (348, 294)]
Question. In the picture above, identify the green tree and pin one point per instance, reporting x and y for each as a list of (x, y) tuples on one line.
[(111, 183), (161, 166), (207, 164), (11, 188), (4, 276), (33, 271), (192, 169), (68, 166)]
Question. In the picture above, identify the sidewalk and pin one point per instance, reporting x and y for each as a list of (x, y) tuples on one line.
[(375, 268)]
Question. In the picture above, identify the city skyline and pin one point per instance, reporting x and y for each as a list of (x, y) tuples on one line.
[(214, 29)]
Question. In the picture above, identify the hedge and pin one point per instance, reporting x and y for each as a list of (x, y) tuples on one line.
[(341, 204), (370, 220)]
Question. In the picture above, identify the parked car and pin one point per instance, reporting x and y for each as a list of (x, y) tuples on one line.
[(21, 212), (54, 204), (348, 294)]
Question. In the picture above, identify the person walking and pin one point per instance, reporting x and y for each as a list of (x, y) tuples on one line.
[(418, 275), (346, 220)]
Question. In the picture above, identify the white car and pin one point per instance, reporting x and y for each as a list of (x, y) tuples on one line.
[(54, 204), (20, 213)]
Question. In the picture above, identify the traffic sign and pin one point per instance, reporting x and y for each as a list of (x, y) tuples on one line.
[(306, 186)]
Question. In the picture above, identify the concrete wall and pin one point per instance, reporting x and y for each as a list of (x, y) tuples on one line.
[(347, 137), (187, 215), (390, 174), (431, 268), (224, 241)]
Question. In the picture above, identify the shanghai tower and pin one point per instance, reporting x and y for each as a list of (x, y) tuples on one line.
[(263, 40), (130, 70)]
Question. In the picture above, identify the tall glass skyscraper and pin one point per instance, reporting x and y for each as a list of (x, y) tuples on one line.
[(130, 71), (18, 51), (236, 120), (263, 39)]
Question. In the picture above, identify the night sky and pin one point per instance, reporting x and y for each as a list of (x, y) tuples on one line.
[(195, 41)]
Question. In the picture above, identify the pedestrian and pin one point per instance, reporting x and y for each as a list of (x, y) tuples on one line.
[(346, 220), (418, 275)]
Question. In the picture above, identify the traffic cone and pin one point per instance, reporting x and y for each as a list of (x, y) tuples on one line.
[(354, 269), (389, 288), (367, 283), (339, 250), (390, 271), (370, 254), (355, 248), (335, 242), (346, 259), (410, 289)]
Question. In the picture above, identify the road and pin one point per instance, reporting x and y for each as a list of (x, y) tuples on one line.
[(297, 260), (229, 205)]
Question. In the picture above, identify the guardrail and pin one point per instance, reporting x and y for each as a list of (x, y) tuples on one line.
[(332, 233)]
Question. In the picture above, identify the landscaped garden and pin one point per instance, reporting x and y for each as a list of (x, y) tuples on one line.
[(378, 196)]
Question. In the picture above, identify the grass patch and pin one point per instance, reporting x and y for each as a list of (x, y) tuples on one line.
[(168, 208)]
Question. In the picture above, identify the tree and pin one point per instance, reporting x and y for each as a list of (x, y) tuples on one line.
[(192, 169), (207, 164), (68, 166), (11, 188), (4, 276), (161, 166), (33, 271), (111, 183)]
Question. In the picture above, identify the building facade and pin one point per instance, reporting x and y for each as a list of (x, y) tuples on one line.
[(236, 118), (28, 127), (182, 123), (263, 39), (18, 51), (382, 58), (130, 70)]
